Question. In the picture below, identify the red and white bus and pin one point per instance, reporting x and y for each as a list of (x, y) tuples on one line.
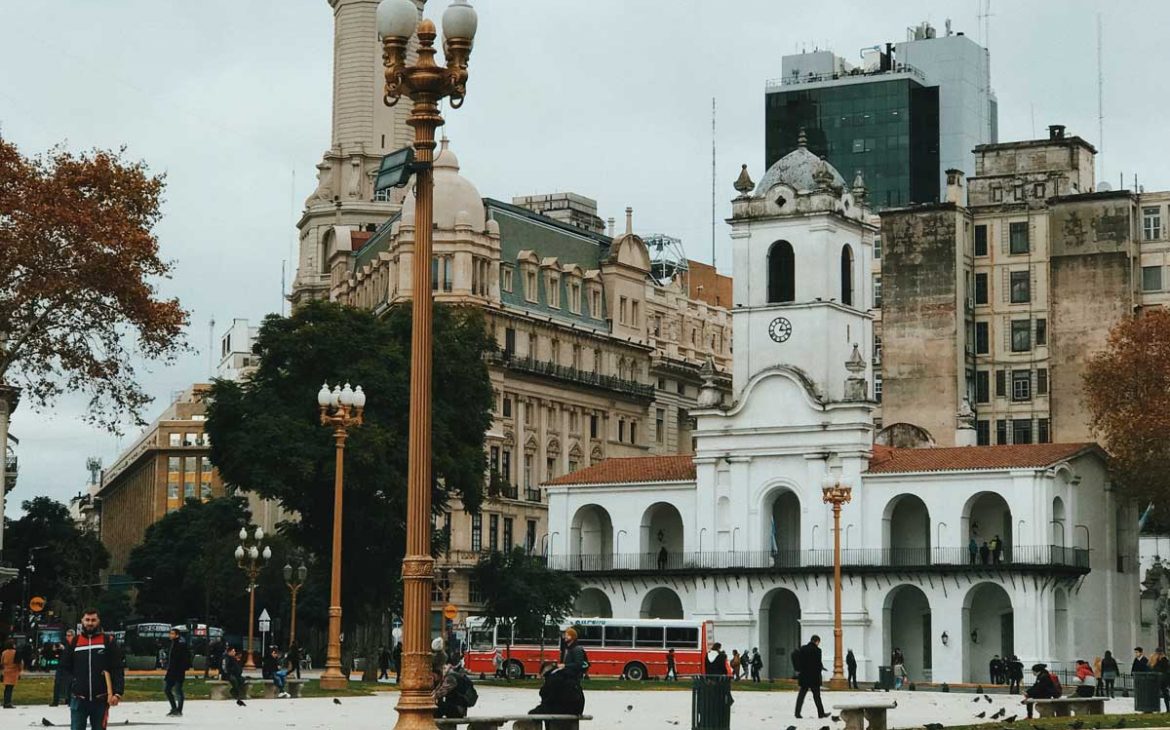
[(635, 648)]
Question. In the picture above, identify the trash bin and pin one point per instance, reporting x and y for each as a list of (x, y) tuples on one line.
[(885, 677), (711, 703), (1147, 691)]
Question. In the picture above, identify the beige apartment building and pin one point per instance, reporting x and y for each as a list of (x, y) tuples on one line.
[(999, 295)]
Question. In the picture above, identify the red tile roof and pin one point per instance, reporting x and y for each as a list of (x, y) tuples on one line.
[(888, 460), (633, 470)]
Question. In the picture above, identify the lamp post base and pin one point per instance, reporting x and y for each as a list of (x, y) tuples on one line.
[(334, 679), (836, 684)]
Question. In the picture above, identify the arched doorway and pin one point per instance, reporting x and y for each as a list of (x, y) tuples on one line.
[(781, 273), (987, 518), (779, 632), (907, 530), (782, 527), (591, 539), (592, 603), (847, 275), (661, 603), (988, 628), (906, 615), (1058, 538), (662, 536)]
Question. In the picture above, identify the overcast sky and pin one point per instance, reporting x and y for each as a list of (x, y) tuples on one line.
[(607, 98)]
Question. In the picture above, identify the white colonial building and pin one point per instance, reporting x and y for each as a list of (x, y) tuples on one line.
[(739, 534)]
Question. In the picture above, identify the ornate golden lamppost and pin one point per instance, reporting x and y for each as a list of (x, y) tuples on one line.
[(837, 492), (425, 83), (341, 409), (251, 559), (294, 578)]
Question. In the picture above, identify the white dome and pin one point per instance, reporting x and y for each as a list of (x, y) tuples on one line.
[(456, 199), (798, 169)]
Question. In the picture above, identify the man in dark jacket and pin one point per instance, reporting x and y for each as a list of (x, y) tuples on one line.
[(62, 681), (233, 672), (851, 668), (94, 660), (178, 662), (808, 675), (1042, 689)]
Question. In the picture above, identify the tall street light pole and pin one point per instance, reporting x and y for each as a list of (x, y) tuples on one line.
[(250, 558), (837, 492), (294, 579), (341, 409), (425, 83)]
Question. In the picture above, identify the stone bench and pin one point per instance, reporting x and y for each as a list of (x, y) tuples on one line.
[(1065, 706), (221, 690), (291, 685), (519, 722), (857, 714)]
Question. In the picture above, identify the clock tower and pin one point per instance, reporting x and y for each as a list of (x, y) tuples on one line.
[(802, 292)]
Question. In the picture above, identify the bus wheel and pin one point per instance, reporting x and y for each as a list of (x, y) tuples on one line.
[(514, 669), (635, 671)]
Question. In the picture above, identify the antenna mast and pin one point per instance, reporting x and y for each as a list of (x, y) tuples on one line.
[(1100, 105), (713, 182), (210, 345)]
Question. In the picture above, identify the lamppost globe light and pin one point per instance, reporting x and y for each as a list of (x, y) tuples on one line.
[(397, 18), (828, 481), (347, 395), (267, 552), (324, 397), (259, 534), (460, 21), (243, 534), (239, 552), (359, 397), (287, 573), (302, 573), (253, 553)]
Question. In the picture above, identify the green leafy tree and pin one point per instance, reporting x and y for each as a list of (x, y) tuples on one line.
[(66, 561), (520, 591), (267, 438)]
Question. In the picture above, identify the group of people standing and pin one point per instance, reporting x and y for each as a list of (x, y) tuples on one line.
[(1007, 670), (987, 553)]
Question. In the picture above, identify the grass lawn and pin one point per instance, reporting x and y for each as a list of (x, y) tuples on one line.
[(39, 690), (1087, 722)]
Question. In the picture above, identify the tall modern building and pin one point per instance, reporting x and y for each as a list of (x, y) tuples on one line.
[(906, 114)]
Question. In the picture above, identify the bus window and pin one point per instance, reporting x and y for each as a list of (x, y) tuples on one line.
[(483, 640), (619, 635), (648, 637), (552, 636), (682, 637), (589, 635)]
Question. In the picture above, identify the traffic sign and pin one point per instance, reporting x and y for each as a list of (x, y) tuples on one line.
[(36, 604), (450, 612), (265, 621)]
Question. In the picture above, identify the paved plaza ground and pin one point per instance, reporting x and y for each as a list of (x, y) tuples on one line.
[(648, 710)]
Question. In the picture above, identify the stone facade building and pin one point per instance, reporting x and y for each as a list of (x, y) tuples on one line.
[(999, 295)]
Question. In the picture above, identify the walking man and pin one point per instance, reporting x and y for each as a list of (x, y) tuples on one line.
[(95, 662), (809, 669), (178, 662), (61, 677), (757, 663), (383, 664), (671, 669), (851, 666)]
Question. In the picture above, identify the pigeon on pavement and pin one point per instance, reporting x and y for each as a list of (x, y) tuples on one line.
[(45, 722), (1002, 711), (336, 701), (982, 715), (1010, 719)]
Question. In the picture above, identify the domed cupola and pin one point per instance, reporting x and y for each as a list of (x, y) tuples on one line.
[(801, 170), (456, 199)]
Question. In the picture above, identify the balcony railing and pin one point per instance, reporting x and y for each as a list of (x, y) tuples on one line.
[(503, 490), (781, 560), (570, 374)]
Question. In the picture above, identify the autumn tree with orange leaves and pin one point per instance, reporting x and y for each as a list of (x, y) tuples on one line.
[(79, 266), (1127, 388)]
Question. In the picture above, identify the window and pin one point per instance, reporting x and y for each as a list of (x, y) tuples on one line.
[(595, 304), (633, 432), (1021, 385), (493, 532), (1021, 287), (877, 246), (982, 386), (1000, 383), (554, 291), (621, 430), (679, 637), (528, 409), (1042, 381), (980, 240), (1041, 332), (981, 288), (589, 635), (508, 533), (494, 459), (847, 275), (1042, 435), (528, 471), (530, 536), (592, 426), (877, 291), (474, 593), (176, 439), (997, 195), (781, 273), (476, 532), (1021, 430), (1018, 237), (648, 637), (622, 301), (1038, 190), (982, 338), (619, 635), (174, 477), (877, 387), (635, 319), (575, 297), (1151, 278), (1151, 223), (506, 278), (507, 407), (1021, 335), (530, 292), (550, 467), (573, 422), (659, 425), (442, 271), (983, 432), (1001, 432), (204, 478), (877, 349), (506, 465)]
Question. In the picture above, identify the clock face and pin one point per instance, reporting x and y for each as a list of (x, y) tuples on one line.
[(780, 329)]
